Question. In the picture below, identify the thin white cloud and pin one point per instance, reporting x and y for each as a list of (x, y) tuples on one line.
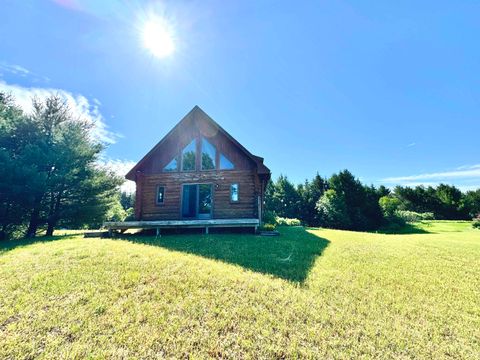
[(20, 71), (121, 168), (14, 69), (468, 167), (79, 105), (466, 177), (411, 144), (470, 172)]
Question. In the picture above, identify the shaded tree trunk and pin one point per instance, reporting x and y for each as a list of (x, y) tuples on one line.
[(34, 218), (33, 224), (50, 228), (3, 231), (54, 213)]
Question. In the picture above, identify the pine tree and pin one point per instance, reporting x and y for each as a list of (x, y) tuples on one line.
[(52, 176)]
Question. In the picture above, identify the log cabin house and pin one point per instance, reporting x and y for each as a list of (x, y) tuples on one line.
[(198, 175)]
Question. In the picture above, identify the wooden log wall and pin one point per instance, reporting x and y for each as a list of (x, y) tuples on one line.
[(222, 207)]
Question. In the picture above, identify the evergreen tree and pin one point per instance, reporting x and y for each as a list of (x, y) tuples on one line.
[(371, 209), (444, 201), (450, 199), (282, 198), (18, 181), (310, 192), (362, 209), (50, 158), (383, 191)]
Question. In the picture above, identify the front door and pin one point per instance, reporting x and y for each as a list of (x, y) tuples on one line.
[(197, 201)]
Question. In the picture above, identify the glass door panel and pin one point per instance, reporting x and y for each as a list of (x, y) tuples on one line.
[(189, 201), (204, 201), (197, 201)]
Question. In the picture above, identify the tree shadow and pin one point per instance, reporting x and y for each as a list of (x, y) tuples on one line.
[(408, 228), (289, 256), (8, 245)]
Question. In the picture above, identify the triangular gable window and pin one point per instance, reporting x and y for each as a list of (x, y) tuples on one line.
[(225, 163), (208, 155), (171, 166), (189, 157)]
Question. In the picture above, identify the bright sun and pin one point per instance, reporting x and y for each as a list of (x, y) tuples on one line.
[(158, 37)]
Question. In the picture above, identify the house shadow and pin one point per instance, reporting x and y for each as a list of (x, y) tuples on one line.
[(289, 256)]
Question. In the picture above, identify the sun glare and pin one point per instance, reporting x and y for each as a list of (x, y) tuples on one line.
[(157, 37)]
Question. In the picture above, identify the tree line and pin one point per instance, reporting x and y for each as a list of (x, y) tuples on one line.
[(51, 175), (343, 202)]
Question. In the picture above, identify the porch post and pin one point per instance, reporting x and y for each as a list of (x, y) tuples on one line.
[(259, 200)]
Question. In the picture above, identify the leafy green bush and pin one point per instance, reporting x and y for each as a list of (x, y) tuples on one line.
[(287, 221), (130, 214), (116, 212), (267, 227), (389, 205), (427, 216), (412, 216), (476, 222), (332, 211)]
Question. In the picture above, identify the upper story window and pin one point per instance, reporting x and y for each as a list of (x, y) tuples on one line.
[(208, 158), (189, 157), (208, 155), (171, 166), (225, 163)]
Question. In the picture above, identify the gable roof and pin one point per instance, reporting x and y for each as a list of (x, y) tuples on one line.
[(197, 111)]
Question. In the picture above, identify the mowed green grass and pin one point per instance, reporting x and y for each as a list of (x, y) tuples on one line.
[(443, 226), (308, 293)]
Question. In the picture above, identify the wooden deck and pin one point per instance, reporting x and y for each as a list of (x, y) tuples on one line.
[(163, 224)]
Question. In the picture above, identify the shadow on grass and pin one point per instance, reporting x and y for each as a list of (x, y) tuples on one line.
[(289, 256), (7, 245), (403, 230)]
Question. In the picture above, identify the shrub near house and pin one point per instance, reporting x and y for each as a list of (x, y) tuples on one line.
[(288, 222)]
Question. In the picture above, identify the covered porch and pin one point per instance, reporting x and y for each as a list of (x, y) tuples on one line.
[(122, 226)]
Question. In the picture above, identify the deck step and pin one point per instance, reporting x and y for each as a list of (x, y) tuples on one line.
[(93, 234)]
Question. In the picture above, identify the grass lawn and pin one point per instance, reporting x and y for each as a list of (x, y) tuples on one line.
[(433, 227), (443, 226), (308, 293)]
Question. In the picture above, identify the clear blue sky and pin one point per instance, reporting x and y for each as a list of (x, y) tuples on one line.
[(389, 90)]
